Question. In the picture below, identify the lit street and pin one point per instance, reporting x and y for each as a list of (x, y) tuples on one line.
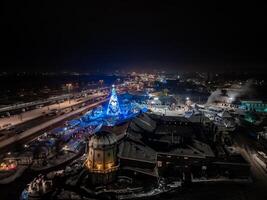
[(25, 116)]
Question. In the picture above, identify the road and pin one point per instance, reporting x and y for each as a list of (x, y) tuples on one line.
[(248, 149), (29, 132), (17, 119)]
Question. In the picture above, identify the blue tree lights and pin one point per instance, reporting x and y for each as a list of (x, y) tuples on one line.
[(113, 108), (117, 110)]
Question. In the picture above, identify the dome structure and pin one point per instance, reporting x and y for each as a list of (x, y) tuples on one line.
[(102, 157), (102, 140)]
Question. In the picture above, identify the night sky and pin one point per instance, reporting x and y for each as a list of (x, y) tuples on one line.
[(133, 35)]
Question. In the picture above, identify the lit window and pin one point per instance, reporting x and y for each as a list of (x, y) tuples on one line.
[(99, 166), (109, 165)]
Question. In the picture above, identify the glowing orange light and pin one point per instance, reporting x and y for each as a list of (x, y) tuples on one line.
[(109, 165), (99, 166)]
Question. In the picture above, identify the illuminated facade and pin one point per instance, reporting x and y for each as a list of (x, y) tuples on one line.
[(258, 106), (102, 158)]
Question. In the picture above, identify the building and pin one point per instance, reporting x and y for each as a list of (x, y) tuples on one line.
[(258, 106), (101, 161)]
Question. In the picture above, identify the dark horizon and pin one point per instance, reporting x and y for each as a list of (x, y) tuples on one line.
[(142, 68), (133, 36)]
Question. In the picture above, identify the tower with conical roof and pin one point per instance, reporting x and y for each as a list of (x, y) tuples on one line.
[(113, 105)]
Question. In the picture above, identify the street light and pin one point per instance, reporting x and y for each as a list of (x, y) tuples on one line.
[(69, 86)]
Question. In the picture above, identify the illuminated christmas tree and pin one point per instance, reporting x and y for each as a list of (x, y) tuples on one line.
[(113, 105)]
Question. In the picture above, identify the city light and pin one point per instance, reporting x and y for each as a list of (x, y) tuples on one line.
[(128, 100), (99, 166), (109, 165)]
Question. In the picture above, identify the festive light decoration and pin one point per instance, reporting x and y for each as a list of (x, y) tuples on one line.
[(117, 109), (113, 105)]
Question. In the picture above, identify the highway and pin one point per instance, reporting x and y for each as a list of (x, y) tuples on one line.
[(63, 97), (32, 114), (40, 116), (40, 127)]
